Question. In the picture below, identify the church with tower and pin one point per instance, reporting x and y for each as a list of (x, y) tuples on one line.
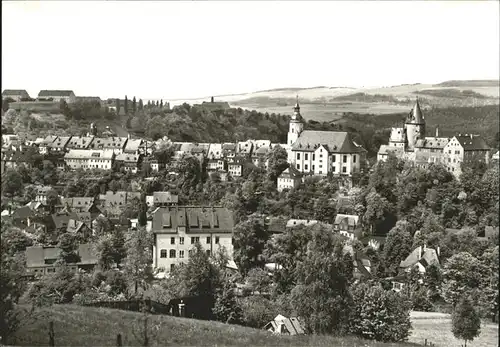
[(321, 153)]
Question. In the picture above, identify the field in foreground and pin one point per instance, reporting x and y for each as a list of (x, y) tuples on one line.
[(85, 326), (436, 328)]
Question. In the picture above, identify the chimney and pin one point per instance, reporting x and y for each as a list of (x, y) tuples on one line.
[(437, 131), (425, 247), (419, 252), (438, 251)]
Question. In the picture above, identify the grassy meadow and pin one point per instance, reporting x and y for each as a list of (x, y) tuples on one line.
[(86, 326)]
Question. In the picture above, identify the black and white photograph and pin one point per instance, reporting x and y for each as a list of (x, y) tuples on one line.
[(250, 173)]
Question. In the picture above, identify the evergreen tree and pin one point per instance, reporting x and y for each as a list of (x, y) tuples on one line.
[(226, 308), (149, 104), (157, 103), (161, 103), (126, 105), (117, 101), (141, 105), (466, 324), (139, 258), (134, 105)]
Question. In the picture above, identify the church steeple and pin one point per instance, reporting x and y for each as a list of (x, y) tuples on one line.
[(296, 124)]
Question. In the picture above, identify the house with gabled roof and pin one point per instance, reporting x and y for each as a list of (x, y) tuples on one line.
[(162, 199), (420, 257), (79, 142), (57, 95), (288, 179), (346, 225), (87, 159), (133, 146), (59, 144), (15, 94), (42, 260), (282, 325), (44, 146), (465, 148), (129, 162), (113, 144)]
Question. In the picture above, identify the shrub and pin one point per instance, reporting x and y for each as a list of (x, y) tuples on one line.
[(258, 311), (420, 301), (379, 315)]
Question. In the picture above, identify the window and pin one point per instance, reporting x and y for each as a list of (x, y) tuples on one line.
[(194, 240), (172, 253), (298, 156), (163, 253), (449, 160), (172, 240), (345, 159), (321, 166), (181, 254), (354, 158), (305, 167), (208, 252), (333, 158), (209, 240), (449, 152), (313, 167), (306, 156), (333, 168), (298, 166), (344, 169), (217, 240), (314, 156)]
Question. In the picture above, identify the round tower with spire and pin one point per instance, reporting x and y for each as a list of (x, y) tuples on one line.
[(414, 126), (296, 125)]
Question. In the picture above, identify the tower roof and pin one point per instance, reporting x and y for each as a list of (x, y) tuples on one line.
[(296, 111), (416, 116)]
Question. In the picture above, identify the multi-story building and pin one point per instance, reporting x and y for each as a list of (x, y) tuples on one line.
[(323, 152), (80, 142), (57, 95), (128, 162), (109, 144), (177, 228), (89, 159), (410, 143), (465, 148), (290, 178)]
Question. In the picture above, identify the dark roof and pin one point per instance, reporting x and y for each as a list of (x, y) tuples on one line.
[(23, 212), (8, 92), (168, 219), (332, 141), (37, 255), (415, 116), (55, 93), (165, 197), (472, 142), (291, 172), (61, 220)]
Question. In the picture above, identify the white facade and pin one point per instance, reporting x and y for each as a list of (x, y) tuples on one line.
[(89, 159), (235, 169), (172, 249)]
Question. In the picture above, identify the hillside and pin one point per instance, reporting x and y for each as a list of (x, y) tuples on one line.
[(85, 326), (330, 103)]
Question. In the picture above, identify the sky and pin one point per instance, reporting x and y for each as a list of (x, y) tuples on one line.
[(177, 49)]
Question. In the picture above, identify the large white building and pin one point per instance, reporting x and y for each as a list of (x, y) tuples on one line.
[(177, 228), (323, 152)]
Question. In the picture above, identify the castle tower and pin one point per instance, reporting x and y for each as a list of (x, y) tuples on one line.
[(414, 127), (296, 125)]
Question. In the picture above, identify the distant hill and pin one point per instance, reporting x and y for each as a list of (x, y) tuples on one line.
[(476, 83)]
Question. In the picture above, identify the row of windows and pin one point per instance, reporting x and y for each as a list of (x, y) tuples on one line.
[(334, 169), (194, 239), (333, 158), (172, 253)]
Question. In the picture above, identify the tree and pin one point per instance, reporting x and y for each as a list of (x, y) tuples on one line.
[(134, 105), (105, 252), (68, 244), (118, 106), (15, 241), (278, 162), (379, 314), (321, 295), (324, 210), (249, 240), (125, 106), (12, 183), (397, 247), (462, 276), (226, 308), (259, 280), (377, 209), (466, 324), (138, 263), (141, 105), (161, 103), (118, 246)]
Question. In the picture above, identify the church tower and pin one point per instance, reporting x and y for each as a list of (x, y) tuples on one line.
[(296, 125), (414, 127)]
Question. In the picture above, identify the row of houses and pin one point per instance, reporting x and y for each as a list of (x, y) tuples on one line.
[(44, 95)]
